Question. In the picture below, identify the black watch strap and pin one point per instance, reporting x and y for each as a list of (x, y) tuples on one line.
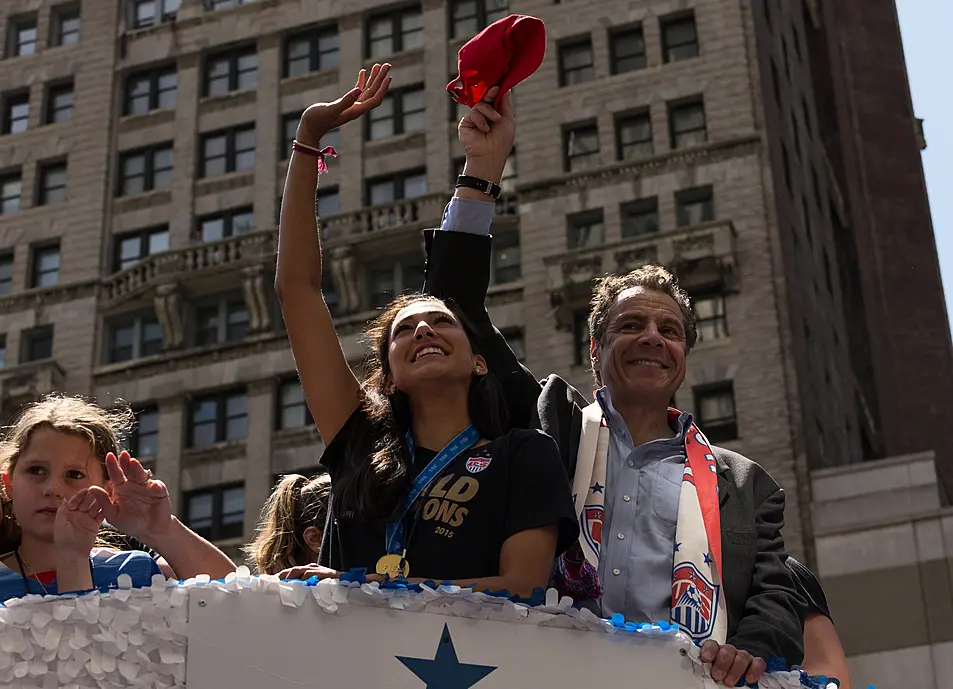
[(486, 187)]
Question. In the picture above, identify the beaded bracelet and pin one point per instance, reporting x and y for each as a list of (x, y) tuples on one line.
[(318, 153)]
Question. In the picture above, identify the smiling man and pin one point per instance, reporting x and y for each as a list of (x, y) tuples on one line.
[(672, 529)]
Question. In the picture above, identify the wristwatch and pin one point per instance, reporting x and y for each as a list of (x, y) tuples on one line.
[(483, 185)]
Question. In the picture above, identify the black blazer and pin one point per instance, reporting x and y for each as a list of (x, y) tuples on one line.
[(765, 611)]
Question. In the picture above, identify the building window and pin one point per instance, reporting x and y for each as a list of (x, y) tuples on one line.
[(145, 170), (581, 339), (405, 185), (627, 49), (16, 112), (132, 247), (401, 112), (52, 183), (216, 513), (21, 36), (145, 438), (11, 188), (506, 260), (293, 410), (215, 5), (510, 173), (575, 62), (517, 342), (153, 89), (45, 267), (327, 202), (218, 418), (395, 32), (232, 150), (585, 230), (37, 344), (634, 136), (213, 228), (225, 320), (679, 38), (389, 280), (66, 25), (581, 145), (687, 123), (694, 206), (468, 17), (711, 322), (143, 13), (715, 409), (133, 337), (312, 51), (59, 103), (234, 70), (6, 273), (639, 218)]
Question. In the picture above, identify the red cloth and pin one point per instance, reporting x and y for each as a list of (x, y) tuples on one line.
[(505, 53)]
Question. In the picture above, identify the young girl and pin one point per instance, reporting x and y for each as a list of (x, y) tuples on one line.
[(61, 479), (425, 484), (292, 524)]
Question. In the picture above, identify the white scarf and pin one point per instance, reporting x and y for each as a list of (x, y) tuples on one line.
[(698, 599)]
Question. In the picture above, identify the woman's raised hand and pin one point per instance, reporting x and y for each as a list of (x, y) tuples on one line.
[(367, 94)]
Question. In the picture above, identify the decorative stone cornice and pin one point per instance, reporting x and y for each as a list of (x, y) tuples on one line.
[(291, 438), (45, 296), (658, 164), (219, 452)]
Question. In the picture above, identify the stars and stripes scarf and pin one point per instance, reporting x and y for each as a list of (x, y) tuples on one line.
[(698, 599)]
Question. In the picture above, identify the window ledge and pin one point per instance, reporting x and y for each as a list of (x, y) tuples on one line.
[(153, 118), (286, 438), (230, 180), (397, 143), (228, 100), (225, 450), (142, 201), (309, 81), (402, 59), (713, 344)]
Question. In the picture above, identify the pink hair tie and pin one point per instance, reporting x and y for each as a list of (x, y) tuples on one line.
[(318, 153)]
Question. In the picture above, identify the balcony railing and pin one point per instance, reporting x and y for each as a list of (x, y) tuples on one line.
[(703, 254), (423, 210), (233, 252)]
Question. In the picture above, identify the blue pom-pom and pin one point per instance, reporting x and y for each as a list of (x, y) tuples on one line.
[(356, 574), (777, 665), (617, 621)]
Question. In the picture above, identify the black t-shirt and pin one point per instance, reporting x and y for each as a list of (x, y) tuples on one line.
[(808, 586), (487, 494)]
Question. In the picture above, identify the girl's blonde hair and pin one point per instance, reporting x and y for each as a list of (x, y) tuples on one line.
[(296, 503), (103, 429)]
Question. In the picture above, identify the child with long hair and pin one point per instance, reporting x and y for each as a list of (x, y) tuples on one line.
[(64, 475), (426, 483), (292, 524)]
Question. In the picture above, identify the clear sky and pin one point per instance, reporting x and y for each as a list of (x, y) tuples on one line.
[(925, 27)]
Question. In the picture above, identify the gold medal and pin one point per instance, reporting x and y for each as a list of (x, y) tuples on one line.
[(394, 566)]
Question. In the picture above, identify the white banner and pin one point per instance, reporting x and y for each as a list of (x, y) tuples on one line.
[(248, 642)]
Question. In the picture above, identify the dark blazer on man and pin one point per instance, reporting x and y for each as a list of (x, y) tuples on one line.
[(765, 612)]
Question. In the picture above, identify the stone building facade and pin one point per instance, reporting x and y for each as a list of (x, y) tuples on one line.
[(142, 158)]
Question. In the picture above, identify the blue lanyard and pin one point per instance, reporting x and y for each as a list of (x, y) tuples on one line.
[(464, 441)]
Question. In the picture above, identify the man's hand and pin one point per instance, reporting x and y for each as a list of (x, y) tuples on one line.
[(367, 94), (487, 137), (730, 664)]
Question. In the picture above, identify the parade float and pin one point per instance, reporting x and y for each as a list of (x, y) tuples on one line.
[(249, 632)]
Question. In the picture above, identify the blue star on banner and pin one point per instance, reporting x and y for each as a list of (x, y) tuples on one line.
[(707, 559), (597, 488), (445, 671), (677, 546)]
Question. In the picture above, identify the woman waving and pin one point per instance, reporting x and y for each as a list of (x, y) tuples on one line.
[(425, 484)]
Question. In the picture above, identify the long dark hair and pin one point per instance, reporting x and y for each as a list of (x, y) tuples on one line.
[(373, 492)]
